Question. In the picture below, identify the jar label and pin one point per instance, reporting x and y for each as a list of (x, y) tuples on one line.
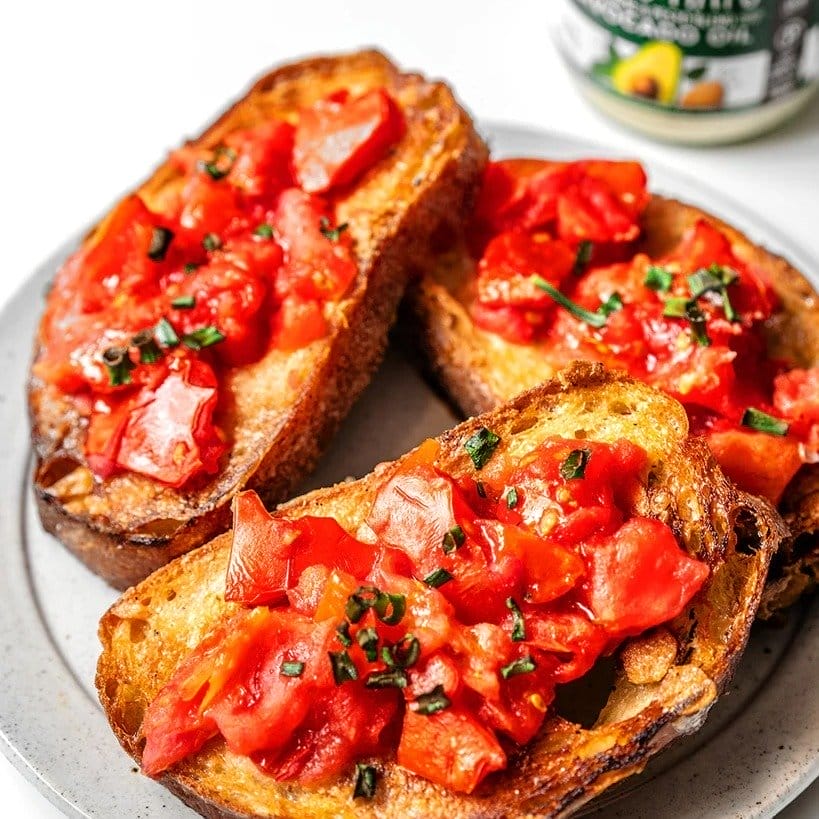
[(694, 55)]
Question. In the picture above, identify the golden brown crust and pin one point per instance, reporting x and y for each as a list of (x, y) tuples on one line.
[(285, 407), (149, 629), (480, 370)]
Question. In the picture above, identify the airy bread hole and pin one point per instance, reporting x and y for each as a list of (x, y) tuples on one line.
[(581, 433), (523, 423), (131, 715), (582, 700), (111, 688), (748, 541), (620, 408), (145, 602), (137, 630), (56, 469), (170, 595)]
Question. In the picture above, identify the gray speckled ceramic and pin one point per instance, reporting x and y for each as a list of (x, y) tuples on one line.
[(758, 750)]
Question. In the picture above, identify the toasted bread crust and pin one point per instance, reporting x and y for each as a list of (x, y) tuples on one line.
[(658, 695), (285, 407), (480, 370)]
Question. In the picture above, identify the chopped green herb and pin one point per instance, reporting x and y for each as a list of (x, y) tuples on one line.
[(332, 234), (394, 678), (762, 422), (145, 342), (453, 539), (190, 267), (203, 337), (403, 654), (218, 168), (714, 279), (367, 638), (344, 669), (480, 489), (519, 626), (675, 307), (583, 257), (165, 334), (431, 703), (658, 278), (264, 231), (512, 498), (699, 329), (611, 305), (360, 602), (343, 634), (595, 319), (211, 241), (161, 239), (396, 602), (292, 668), (183, 302), (575, 464), (523, 665), (438, 578), (119, 365), (366, 779), (481, 445)]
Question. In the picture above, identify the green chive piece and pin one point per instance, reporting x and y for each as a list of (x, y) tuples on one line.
[(512, 498), (523, 665), (119, 366), (161, 239), (149, 351), (218, 169), (394, 678), (361, 600), (437, 578), (453, 539), (675, 307), (366, 781), (480, 489), (343, 634), (658, 278), (183, 302), (190, 267), (367, 638), (699, 329), (344, 669), (292, 668), (583, 257), (165, 334), (398, 604), (203, 337), (575, 464), (431, 703), (403, 654), (332, 234), (211, 242), (715, 279), (762, 422), (480, 446), (264, 231), (611, 305), (518, 626), (595, 319)]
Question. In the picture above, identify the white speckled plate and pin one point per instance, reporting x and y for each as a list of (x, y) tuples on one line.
[(758, 751)]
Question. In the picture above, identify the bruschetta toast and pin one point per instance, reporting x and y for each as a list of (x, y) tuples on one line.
[(432, 634), (213, 330), (578, 260)]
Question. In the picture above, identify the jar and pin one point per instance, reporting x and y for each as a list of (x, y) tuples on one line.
[(694, 71)]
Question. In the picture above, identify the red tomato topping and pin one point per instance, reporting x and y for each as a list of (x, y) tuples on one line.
[(225, 262), (340, 137), (450, 630)]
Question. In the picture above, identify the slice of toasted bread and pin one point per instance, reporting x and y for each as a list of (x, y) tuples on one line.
[(284, 408), (479, 370), (658, 695)]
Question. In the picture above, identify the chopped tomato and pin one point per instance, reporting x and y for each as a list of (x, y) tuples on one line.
[(796, 394), (297, 323), (571, 636), (516, 324), (654, 577), (261, 166), (317, 265), (341, 137), (451, 748), (509, 262), (757, 462)]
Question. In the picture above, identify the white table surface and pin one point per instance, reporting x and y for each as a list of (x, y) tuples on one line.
[(95, 94)]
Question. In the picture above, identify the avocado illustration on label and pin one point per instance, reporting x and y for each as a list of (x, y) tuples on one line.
[(653, 72)]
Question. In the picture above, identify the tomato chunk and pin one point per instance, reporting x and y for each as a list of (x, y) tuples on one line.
[(341, 137), (639, 577)]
